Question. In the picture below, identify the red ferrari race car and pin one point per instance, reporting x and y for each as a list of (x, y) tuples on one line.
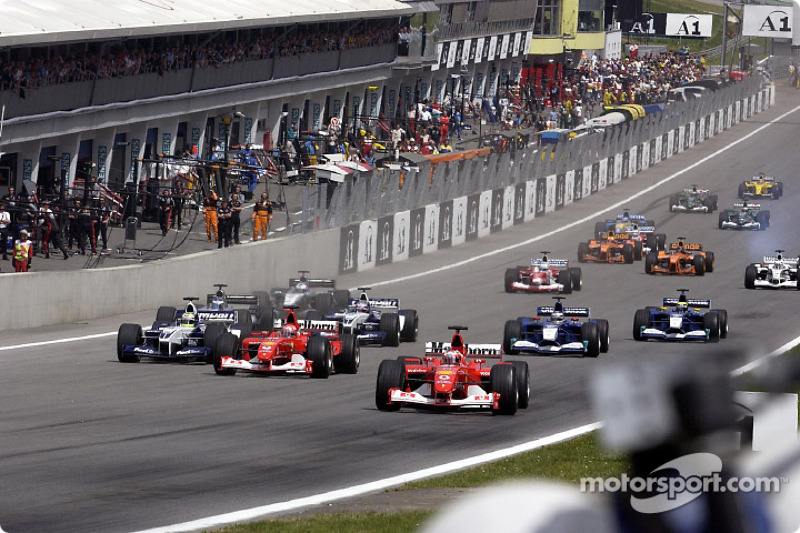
[(312, 347), (454, 375), (544, 275)]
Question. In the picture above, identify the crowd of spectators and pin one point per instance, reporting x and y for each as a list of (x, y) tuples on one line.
[(134, 59)]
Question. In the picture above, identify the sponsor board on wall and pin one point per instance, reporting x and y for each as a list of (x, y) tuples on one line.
[(671, 145), (632, 157), (473, 216), (531, 203), (439, 52), (541, 196), (459, 221), (451, 54), (560, 190), (401, 236), (664, 153), (515, 40), (692, 130), (602, 174), (465, 51), (711, 126), (385, 234), (417, 232), (431, 238), (577, 188), (485, 213), (587, 181), (681, 139), (508, 206), (569, 187), (767, 21), (550, 193), (618, 164), (446, 224), (497, 210), (639, 157), (595, 177), (722, 118), (348, 249), (656, 151), (731, 116), (367, 244), (688, 25), (479, 49), (492, 48), (504, 46), (519, 203)]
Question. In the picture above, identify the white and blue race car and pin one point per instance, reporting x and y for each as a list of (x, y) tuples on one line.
[(681, 319), (377, 320), (557, 330)]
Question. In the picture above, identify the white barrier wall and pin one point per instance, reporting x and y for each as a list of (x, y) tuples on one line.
[(45, 298), (488, 211)]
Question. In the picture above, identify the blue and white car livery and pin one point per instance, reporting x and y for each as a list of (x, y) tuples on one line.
[(377, 320), (681, 319), (557, 330)]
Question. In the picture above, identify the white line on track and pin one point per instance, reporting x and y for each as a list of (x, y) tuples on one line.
[(250, 514), (57, 341)]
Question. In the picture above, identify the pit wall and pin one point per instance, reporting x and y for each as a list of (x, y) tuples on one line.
[(42, 298), (401, 235)]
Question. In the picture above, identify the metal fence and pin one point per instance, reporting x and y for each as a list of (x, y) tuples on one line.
[(369, 196)]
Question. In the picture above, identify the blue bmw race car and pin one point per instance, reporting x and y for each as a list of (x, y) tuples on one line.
[(681, 319), (377, 320), (557, 329)]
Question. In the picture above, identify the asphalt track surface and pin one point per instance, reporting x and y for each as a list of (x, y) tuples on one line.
[(89, 444)]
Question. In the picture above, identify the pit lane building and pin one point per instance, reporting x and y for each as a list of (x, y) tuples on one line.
[(87, 83)]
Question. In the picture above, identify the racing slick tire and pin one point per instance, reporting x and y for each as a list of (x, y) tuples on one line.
[(722, 219), (391, 375), (245, 320), (340, 298), (637, 250), (512, 330), (723, 323), (640, 319), (313, 314), (390, 325), (166, 313), (128, 334), (711, 323), (779, 187), (323, 302), (349, 358), (214, 331), (651, 242), (599, 227), (708, 203), (523, 383), (502, 380), (661, 240), (583, 251), (319, 352), (577, 282), (650, 261), (410, 330), (227, 344), (709, 262), (763, 219), (740, 192), (750, 275), (699, 263), (605, 339), (591, 334), (627, 252), (264, 311), (673, 201), (565, 278), (512, 276)]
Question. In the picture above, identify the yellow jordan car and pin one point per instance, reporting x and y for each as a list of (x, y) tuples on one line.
[(761, 186)]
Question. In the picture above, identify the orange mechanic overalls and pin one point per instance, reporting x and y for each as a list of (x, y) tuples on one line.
[(210, 212), (262, 215)]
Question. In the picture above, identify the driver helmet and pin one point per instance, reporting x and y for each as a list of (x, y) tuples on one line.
[(694, 188), (557, 317), (217, 303), (362, 306), (188, 319), (289, 331), (301, 286), (451, 357)]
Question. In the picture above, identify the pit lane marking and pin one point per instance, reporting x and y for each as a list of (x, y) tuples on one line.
[(57, 341)]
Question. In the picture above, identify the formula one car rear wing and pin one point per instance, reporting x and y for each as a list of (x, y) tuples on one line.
[(550, 262), (764, 178), (623, 216), (568, 311), (492, 351), (781, 258), (327, 283), (739, 205), (640, 229), (330, 326), (381, 303), (689, 247), (673, 302)]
